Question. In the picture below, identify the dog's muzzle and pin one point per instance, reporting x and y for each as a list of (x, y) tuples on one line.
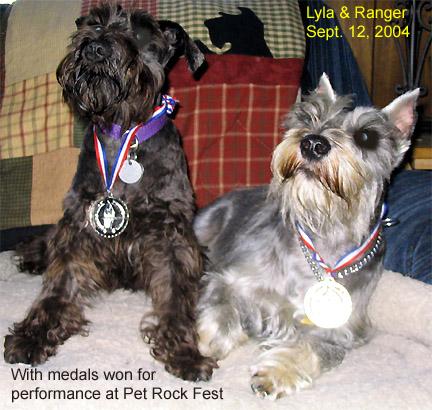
[(314, 147), (96, 52)]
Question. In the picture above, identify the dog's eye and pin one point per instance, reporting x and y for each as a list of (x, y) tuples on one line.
[(142, 36), (366, 139), (98, 29)]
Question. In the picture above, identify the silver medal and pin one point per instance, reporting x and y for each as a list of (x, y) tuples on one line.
[(131, 171), (108, 216)]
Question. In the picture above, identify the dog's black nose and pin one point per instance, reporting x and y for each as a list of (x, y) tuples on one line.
[(96, 52), (314, 147)]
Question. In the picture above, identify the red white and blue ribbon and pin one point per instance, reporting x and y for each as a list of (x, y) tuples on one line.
[(141, 132), (351, 256), (167, 106), (122, 154)]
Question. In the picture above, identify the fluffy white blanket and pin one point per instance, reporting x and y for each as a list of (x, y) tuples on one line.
[(393, 371)]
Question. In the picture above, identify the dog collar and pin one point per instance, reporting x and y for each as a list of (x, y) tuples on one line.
[(352, 262), (151, 127)]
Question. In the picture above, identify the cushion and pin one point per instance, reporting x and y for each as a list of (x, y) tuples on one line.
[(229, 119)]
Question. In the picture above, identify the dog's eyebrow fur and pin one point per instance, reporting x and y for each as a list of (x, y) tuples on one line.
[(316, 112)]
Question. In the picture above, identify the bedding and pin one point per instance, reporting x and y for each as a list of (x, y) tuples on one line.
[(393, 371)]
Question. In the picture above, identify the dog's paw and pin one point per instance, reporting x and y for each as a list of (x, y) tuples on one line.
[(217, 338), (148, 336), (198, 368), (18, 349), (274, 383), (282, 371)]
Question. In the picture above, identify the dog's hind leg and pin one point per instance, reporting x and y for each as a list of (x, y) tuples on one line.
[(57, 313), (231, 311), (220, 327), (31, 254)]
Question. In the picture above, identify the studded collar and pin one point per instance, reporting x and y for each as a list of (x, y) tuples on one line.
[(352, 262)]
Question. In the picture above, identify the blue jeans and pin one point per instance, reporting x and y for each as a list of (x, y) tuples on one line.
[(409, 243)]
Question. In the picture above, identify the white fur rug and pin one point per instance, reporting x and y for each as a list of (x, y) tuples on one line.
[(394, 371)]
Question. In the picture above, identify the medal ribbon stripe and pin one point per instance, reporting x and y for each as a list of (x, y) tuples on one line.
[(168, 104), (121, 157), (354, 254), (350, 257), (101, 161)]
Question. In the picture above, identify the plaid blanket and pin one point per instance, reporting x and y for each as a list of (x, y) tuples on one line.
[(229, 120)]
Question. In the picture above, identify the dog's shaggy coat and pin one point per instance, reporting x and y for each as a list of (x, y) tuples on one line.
[(329, 172), (113, 73)]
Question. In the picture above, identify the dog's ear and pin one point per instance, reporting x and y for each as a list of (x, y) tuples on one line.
[(325, 88), (79, 22), (181, 44), (401, 112)]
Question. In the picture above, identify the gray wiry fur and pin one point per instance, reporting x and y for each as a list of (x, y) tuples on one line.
[(258, 276)]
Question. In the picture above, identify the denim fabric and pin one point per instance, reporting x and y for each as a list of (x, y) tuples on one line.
[(334, 57), (409, 243)]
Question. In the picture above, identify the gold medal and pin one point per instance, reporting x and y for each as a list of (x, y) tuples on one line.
[(328, 304)]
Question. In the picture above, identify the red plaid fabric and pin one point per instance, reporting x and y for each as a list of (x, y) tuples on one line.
[(230, 123)]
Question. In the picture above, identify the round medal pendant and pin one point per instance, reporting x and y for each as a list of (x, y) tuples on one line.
[(108, 216), (328, 304), (131, 171)]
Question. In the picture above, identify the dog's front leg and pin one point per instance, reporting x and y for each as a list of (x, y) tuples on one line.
[(57, 313), (176, 266), (289, 366)]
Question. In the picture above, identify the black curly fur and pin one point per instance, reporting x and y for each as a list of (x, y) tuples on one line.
[(158, 251)]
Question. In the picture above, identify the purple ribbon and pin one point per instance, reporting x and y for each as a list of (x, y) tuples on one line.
[(151, 127), (145, 132)]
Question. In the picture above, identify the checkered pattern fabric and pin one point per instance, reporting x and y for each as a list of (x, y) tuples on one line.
[(231, 123), (281, 21), (229, 120), (34, 120), (229, 134), (283, 29)]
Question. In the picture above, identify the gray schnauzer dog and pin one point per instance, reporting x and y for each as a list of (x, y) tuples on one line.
[(134, 231), (294, 264)]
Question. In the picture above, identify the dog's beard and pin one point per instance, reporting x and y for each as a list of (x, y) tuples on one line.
[(112, 91), (99, 92), (317, 194)]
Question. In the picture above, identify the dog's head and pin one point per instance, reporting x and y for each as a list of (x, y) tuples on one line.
[(115, 66), (333, 161)]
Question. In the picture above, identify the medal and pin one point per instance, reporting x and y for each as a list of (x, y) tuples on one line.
[(108, 216), (328, 304)]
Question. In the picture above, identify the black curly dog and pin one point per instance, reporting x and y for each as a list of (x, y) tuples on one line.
[(113, 74)]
